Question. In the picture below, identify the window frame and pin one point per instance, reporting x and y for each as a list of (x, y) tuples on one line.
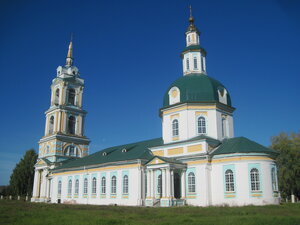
[(201, 125), (159, 184), (72, 125), (71, 96), (94, 186), (51, 124), (195, 58), (175, 128), (103, 185), (125, 184), (274, 179), (191, 182), (229, 181), (70, 187), (59, 186), (76, 187), (85, 186), (113, 189), (187, 63), (255, 182)]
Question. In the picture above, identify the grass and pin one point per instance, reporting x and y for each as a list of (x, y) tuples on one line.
[(20, 212)]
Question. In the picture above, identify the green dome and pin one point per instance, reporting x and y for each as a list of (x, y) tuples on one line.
[(197, 88)]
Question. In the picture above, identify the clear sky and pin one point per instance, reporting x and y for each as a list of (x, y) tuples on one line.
[(128, 54)]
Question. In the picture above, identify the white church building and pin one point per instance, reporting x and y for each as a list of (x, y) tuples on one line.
[(198, 161)]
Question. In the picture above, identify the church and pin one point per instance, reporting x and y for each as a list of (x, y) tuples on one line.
[(197, 161)]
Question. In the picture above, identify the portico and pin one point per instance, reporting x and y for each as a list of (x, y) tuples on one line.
[(166, 182)]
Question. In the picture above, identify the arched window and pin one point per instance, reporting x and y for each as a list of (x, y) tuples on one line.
[(224, 134), (51, 125), (125, 184), (175, 130), (201, 125), (71, 125), (202, 63), (94, 186), (274, 180), (113, 185), (85, 186), (189, 38), (71, 96), (70, 187), (187, 64), (255, 183), (229, 180), (59, 188), (103, 185), (195, 63), (191, 183), (76, 187), (159, 184), (56, 98)]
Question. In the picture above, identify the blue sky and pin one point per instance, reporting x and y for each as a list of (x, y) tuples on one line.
[(128, 54)]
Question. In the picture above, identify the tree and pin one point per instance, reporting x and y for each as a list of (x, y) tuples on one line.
[(21, 180), (288, 163)]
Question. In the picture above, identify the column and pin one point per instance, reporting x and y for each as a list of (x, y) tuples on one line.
[(35, 184), (168, 179), (43, 185), (153, 181), (140, 185), (59, 122), (148, 183), (172, 184), (183, 183), (163, 177), (151, 184)]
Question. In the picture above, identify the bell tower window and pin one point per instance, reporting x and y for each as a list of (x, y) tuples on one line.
[(71, 125), (187, 64), (202, 64), (175, 129), (195, 63), (56, 100), (201, 125), (51, 125), (71, 96)]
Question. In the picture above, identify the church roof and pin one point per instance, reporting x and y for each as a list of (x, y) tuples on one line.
[(242, 145), (197, 88), (193, 48), (138, 150)]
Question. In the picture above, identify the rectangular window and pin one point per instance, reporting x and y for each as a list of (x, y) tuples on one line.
[(195, 63), (187, 64)]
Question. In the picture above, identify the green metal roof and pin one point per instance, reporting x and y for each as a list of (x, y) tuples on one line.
[(242, 145), (197, 138), (194, 48), (138, 150), (197, 88)]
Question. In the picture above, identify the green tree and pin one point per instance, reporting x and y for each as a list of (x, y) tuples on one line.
[(21, 179), (288, 163)]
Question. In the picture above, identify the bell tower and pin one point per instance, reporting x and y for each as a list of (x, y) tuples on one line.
[(64, 130)]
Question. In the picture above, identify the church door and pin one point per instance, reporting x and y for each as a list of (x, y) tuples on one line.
[(177, 190)]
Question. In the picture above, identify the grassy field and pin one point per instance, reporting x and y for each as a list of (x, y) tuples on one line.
[(24, 213)]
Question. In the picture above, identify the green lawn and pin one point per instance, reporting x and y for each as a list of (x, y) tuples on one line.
[(24, 213)]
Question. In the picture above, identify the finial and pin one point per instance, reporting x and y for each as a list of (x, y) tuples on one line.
[(69, 60), (191, 19)]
